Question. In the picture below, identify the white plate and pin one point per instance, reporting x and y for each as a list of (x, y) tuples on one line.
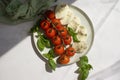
[(86, 22)]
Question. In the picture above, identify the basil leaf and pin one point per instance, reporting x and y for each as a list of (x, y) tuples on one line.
[(84, 75), (51, 52), (34, 29), (40, 45), (84, 68), (46, 55), (46, 42), (73, 34), (75, 39), (49, 55), (52, 64), (71, 31), (84, 58)]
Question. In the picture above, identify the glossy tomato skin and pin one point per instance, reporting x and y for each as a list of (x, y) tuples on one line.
[(59, 49), (50, 33), (63, 32), (56, 21), (59, 27), (44, 24), (70, 51), (64, 59), (56, 40), (67, 40), (50, 14)]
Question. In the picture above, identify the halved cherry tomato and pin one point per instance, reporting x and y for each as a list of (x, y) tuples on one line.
[(50, 14), (67, 40), (63, 59), (70, 51), (44, 24), (56, 22), (56, 40), (59, 49), (50, 33), (63, 32)]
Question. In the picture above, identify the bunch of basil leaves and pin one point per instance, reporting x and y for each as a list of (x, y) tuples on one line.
[(17, 11)]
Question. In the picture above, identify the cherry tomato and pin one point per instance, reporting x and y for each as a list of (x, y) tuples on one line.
[(63, 32), (63, 59), (56, 40), (50, 33), (50, 14), (56, 22), (70, 51), (67, 40), (59, 49), (44, 24), (58, 27)]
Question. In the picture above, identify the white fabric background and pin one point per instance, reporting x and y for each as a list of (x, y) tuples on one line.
[(18, 61)]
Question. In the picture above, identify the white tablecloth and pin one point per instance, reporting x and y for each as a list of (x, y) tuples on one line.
[(18, 60)]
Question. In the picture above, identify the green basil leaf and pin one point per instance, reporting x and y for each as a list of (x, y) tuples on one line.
[(51, 52), (84, 75), (71, 31), (46, 55), (84, 59), (84, 68), (40, 45), (90, 66), (34, 29), (45, 41), (75, 39), (52, 64), (73, 34)]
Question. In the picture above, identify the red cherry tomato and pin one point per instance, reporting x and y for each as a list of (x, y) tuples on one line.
[(58, 27), (56, 40), (50, 14), (56, 22), (67, 40), (63, 31), (44, 24), (63, 59), (59, 49), (70, 51), (50, 33)]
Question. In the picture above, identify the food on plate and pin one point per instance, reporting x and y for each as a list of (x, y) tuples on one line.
[(64, 59), (56, 40), (70, 51), (44, 24), (79, 47), (56, 21), (67, 40), (50, 33), (50, 14), (59, 49), (73, 21), (63, 32)]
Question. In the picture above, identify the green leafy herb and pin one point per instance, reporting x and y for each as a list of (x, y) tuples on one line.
[(40, 45), (45, 41), (42, 42), (50, 55), (34, 29), (75, 39), (84, 68), (52, 64), (73, 34)]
